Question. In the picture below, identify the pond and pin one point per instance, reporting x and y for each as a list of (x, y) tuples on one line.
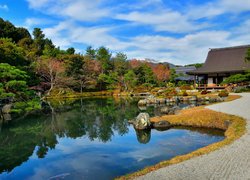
[(90, 139)]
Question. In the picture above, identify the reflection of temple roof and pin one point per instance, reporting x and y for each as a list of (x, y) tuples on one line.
[(225, 60)]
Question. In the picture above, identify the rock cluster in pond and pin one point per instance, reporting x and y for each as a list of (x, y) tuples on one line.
[(170, 110), (142, 122), (153, 100)]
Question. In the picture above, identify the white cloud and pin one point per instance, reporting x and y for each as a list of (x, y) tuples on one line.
[(216, 8), (4, 7), (171, 21), (38, 3), (66, 33), (83, 10), (30, 22), (235, 6), (190, 45), (187, 49)]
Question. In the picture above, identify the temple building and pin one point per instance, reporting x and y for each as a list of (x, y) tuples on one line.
[(220, 64)]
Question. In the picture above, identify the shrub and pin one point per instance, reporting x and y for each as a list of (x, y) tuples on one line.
[(184, 93), (186, 87), (237, 78), (170, 92), (223, 94), (242, 89)]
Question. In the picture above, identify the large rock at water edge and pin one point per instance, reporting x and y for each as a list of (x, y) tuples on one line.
[(142, 121), (162, 124)]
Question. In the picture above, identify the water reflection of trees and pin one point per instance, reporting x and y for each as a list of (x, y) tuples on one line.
[(97, 119)]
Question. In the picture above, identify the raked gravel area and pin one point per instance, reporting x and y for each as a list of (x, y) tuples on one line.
[(229, 162)]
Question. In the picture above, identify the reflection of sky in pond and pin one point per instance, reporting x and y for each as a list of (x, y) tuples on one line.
[(76, 156)]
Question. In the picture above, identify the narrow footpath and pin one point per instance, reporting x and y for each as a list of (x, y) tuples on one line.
[(229, 162)]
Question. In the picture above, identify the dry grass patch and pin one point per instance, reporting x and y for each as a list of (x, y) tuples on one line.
[(234, 127)]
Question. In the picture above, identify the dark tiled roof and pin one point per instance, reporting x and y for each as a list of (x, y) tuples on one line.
[(184, 70), (185, 78), (223, 60)]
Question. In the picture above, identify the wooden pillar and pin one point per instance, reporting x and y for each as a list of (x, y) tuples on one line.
[(216, 79), (194, 81)]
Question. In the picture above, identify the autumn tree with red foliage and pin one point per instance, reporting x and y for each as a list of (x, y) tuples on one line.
[(89, 73), (51, 71), (161, 71), (134, 63)]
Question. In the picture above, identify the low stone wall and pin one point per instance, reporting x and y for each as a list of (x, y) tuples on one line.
[(154, 100)]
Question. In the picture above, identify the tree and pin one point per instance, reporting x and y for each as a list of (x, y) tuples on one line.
[(39, 40), (70, 51), (51, 72), (130, 80), (12, 80), (134, 63), (120, 63), (103, 55), (109, 81), (90, 52), (145, 74), (173, 75), (73, 64), (247, 58), (196, 65), (12, 54), (89, 73), (8, 30), (161, 72)]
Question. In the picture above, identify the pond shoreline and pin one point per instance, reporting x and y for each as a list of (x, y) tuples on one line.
[(233, 126)]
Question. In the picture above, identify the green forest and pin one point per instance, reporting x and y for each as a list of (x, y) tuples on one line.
[(32, 63)]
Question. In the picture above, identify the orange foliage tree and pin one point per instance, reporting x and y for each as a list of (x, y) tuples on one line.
[(161, 72), (51, 72)]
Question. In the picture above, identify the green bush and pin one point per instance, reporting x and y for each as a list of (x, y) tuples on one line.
[(223, 94), (237, 78), (186, 87), (26, 106), (242, 89), (170, 92), (15, 86)]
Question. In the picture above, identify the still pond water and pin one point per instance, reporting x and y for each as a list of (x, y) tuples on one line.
[(90, 139)]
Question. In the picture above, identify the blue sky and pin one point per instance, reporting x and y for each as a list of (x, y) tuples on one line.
[(180, 32)]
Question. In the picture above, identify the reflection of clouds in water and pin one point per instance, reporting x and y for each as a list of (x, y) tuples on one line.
[(41, 173), (77, 164), (83, 157), (142, 154), (67, 145)]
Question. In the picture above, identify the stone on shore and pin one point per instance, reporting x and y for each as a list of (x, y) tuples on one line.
[(162, 124)]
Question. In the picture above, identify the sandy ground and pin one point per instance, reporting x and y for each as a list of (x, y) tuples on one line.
[(229, 162)]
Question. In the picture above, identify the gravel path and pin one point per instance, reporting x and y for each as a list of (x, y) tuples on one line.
[(229, 162)]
